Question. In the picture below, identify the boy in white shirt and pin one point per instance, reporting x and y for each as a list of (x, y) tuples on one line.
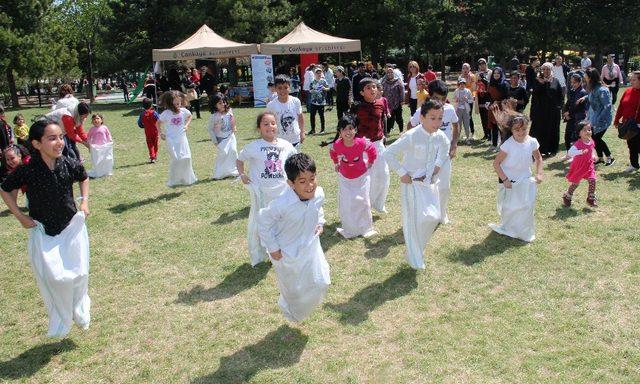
[(290, 228), (438, 91), (288, 111), (424, 151)]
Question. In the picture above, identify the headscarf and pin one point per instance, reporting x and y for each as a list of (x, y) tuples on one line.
[(501, 80)]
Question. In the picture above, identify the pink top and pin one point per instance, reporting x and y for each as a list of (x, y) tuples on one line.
[(582, 166), (99, 135), (350, 160)]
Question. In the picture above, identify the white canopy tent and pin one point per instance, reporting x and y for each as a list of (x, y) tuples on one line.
[(303, 40), (205, 44)]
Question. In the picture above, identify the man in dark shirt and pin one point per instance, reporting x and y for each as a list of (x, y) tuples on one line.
[(355, 82), (343, 92), (517, 92), (209, 84)]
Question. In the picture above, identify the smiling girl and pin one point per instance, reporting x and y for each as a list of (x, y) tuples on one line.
[(58, 241)]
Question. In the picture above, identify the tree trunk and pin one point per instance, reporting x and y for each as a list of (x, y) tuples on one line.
[(443, 65), (90, 94), (11, 80)]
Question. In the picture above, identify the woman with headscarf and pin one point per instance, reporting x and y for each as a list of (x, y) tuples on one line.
[(497, 91), (546, 107)]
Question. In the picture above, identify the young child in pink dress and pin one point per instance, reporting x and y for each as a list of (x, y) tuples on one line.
[(354, 182), (582, 166), (101, 147)]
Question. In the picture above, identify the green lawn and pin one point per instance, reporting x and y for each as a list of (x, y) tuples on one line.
[(174, 299)]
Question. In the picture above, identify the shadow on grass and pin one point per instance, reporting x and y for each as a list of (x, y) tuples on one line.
[(228, 217), (379, 246), (330, 236), (31, 361), (632, 178), (556, 165), (493, 244), (357, 309), (137, 204), (243, 278), (279, 349), (7, 212), (487, 155), (132, 165)]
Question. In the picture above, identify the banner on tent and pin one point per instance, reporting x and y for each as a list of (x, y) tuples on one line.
[(262, 72)]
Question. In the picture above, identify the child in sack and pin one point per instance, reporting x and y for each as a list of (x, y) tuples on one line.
[(424, 151), (266, 179), (516, 188), (58, 242), (222, 130), (290, 228), (348, 155)]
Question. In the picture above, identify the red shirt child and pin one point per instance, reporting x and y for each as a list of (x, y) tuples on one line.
[(148, 120)]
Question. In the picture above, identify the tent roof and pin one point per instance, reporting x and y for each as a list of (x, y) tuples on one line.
[(306, 40), (204, 44)]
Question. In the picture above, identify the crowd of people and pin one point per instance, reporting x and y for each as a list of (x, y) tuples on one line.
[(286, 217)]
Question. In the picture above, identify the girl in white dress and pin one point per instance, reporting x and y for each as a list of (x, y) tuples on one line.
[(222, 130), (173, 125), (267, 179)]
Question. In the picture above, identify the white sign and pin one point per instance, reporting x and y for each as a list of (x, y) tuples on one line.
[(262, 71)]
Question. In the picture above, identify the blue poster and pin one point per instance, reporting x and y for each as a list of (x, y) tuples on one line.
[(262, 71)]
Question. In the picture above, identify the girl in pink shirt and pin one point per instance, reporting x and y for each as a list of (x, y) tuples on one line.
[(101, 147), (353, 156), (583, 165), (99, 133)]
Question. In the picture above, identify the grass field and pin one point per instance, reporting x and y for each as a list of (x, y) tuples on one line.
[(175, 300)]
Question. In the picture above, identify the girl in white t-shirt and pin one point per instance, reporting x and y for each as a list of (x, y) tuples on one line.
[(173, 124), (516, 188), (222, 130), (267, 178)]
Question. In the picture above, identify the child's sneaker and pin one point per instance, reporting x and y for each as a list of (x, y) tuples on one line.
[(609, 161), (566, 200), (592, 201)]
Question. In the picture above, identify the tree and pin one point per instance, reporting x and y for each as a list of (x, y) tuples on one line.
[(31, 44), (85, 21)]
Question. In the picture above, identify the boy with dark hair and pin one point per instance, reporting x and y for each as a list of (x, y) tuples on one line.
[(290, 228), (288, 112), (438, 91), (148, 120), (371, 112)]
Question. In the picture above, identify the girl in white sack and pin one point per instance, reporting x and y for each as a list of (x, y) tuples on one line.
[(58, 242), (173, 126), (516, 186), (266, 179), (222, 130)]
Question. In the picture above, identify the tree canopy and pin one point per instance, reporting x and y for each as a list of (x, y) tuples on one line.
[(47, 37)]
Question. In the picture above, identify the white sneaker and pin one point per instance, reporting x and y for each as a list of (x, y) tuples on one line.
[(630, 169)]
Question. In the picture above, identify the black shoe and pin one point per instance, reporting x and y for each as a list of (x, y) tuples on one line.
[(311, 133), (599, 161), (609, 161)]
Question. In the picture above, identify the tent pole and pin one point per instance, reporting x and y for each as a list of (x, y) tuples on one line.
[(360, 55), (339, 58)]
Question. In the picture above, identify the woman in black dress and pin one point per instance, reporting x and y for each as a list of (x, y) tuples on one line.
[(546, 107)]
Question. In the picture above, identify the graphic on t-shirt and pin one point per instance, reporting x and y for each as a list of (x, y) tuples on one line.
[(286, 122), (273, 163), (176, 120)]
